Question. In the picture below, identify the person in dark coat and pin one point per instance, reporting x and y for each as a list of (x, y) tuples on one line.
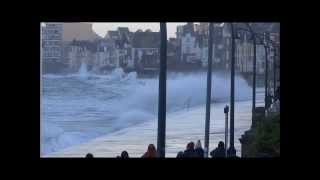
[(89, 155), (189, 152), (277, 94), (219, 152), (198, 150), (268, 101), (180, 154), (151, 152), (124, 154)]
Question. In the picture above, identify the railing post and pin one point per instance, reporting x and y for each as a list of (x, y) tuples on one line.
[(226, 111)]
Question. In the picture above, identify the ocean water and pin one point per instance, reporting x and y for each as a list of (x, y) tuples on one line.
[(82, 108)]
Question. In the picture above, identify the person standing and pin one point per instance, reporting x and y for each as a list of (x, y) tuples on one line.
[(219, 152), (151, 152), (199, 150), (189, 152)]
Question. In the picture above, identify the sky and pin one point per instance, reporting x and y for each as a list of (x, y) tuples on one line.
[(102, 28)]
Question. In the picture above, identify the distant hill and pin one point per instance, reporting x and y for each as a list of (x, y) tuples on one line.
[(79, 31)]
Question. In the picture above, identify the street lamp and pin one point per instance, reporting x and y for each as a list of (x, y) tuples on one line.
[(254, 70), (274, 69), (208, 103), (266, 72), (162, 92), (232, 150)]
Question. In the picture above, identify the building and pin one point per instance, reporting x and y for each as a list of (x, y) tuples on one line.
[(106, 56), (51, 47), (122, 39), (190, 52), (79, 31), (101, 54), (145, 50), (219, 46), (81, 52), (245, 55), (179, 32), (172, 53), (203, 29)]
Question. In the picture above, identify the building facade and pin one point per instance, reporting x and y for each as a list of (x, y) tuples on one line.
[(51, 47), (190, 50), (145, 50)]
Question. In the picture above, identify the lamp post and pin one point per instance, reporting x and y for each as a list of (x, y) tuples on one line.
[(208, 103), (162, 92), (232, 150), (266, 74), (274, 71), (254, 71)]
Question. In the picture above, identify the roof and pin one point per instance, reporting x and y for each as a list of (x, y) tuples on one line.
[(113, 34), (123, 30), (146, 40), (188, 28)]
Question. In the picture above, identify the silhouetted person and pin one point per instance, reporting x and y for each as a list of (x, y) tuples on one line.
[(180, 154), (89, 155), (268, 101), (189, 152), (124, 154), (277, 94), (219, 152), (151, 152), (198, 150)]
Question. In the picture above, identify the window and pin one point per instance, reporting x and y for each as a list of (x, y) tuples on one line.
[(188, 50)]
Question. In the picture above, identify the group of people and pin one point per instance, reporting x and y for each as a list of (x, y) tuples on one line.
[(192, 151), (198, 152)]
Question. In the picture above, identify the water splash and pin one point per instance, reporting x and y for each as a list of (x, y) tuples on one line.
[(83, 72)]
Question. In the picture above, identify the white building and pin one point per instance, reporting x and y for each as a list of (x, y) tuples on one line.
[(244, 57), (260, 50), (190, 50), (51, 37), (204, 56), (78, 55), (122, 47), (145, 50), (107, 55)]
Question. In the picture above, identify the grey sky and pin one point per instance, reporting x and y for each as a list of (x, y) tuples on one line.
[(102, 28)]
